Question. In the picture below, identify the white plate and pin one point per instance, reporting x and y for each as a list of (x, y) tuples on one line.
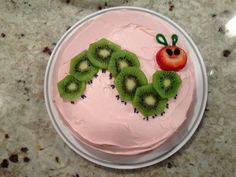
[(157, 155)]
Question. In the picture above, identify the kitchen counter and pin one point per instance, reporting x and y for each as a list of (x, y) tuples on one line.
[(30, 146)]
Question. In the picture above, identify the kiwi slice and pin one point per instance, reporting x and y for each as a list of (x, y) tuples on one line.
[(147, 101), (166, 83), (122, 59), (70, 88), (81, 68), (101, 51), (128, 80)]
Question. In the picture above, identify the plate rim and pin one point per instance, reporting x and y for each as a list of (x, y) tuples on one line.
[(167, 154)]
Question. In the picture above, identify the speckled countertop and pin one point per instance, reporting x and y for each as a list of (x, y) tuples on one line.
[(29, 145)]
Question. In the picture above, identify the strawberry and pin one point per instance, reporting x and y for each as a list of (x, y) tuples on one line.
[(170, 57)]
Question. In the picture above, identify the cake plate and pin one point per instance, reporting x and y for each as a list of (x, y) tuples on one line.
[(157, 155)]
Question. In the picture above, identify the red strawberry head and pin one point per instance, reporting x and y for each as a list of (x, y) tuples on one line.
[(170, 57)]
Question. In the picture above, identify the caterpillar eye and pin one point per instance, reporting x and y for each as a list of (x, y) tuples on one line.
[(177, 51), (169, 52)]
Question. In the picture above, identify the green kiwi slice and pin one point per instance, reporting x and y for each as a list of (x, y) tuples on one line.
[(128, 80), (70, 88), (166, 83), (81, 68), (101, 51), (148, 102), (122, 59)]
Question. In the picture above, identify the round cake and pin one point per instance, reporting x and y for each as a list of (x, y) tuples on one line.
[(102, 115)]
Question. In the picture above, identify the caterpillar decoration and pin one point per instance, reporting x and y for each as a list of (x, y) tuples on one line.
[(150, 99)]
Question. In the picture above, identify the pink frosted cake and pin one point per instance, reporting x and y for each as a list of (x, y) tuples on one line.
[(116, 86)]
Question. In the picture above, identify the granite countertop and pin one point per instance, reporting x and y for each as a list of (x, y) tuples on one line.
[(30, 146)]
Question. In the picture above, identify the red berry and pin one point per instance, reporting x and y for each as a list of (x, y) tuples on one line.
[(171, 58)]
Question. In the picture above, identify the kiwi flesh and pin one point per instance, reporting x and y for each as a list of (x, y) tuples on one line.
[(71, 88), (128, 80), (166, 83), (100, 52), (148, 102), (122, 59), (81, 68)]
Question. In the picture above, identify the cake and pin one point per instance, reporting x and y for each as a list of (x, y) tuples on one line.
[(105, 107)]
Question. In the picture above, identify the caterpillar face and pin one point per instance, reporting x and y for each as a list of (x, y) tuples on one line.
[(170, 57)]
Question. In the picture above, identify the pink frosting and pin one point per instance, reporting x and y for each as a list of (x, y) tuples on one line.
[(100, 120)]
